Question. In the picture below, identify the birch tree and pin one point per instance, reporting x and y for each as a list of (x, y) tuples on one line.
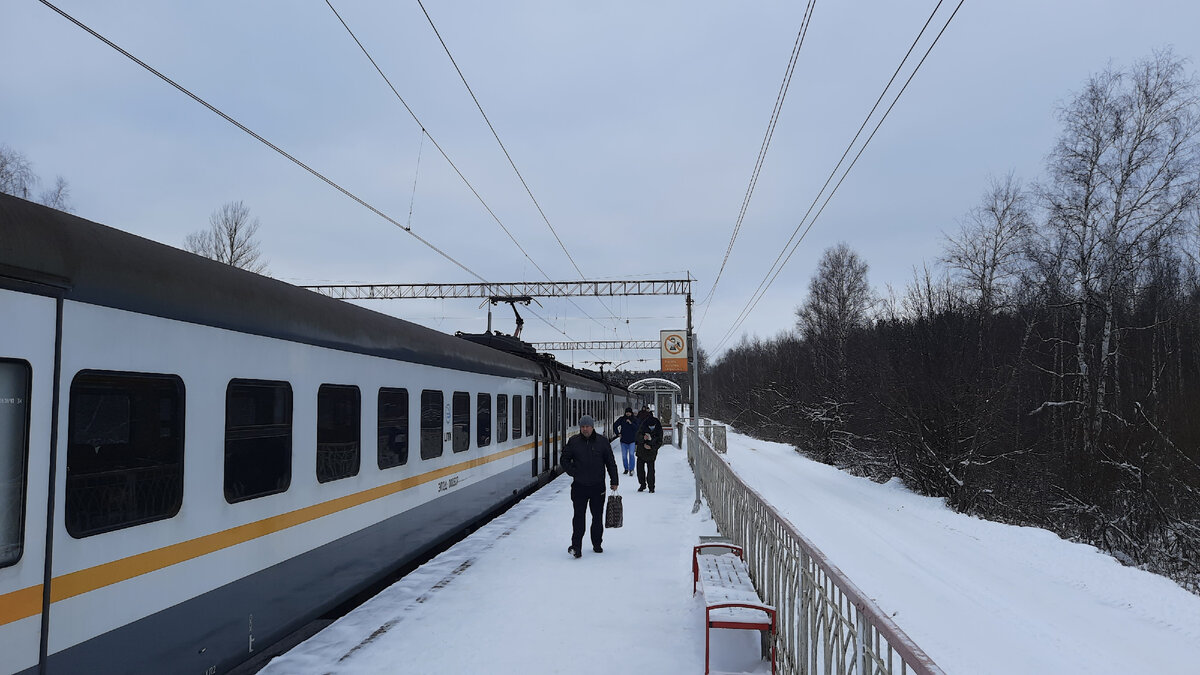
[(988, 251), (16, 173), (230, 238)]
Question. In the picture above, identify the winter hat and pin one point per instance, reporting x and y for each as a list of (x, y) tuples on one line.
[(587, 421), (629, 410)]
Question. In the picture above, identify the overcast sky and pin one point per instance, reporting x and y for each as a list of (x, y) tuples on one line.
[(635, 124)]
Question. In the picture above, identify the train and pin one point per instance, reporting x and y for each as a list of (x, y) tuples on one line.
[(186, 467)]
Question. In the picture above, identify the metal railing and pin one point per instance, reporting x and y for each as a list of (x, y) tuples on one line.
[(825, 624)]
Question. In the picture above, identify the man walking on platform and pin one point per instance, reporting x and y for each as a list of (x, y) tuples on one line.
[(649, 440), (626, 427), (585, 458)]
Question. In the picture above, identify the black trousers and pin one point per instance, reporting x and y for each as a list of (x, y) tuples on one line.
[(645, 472), (583, 498)]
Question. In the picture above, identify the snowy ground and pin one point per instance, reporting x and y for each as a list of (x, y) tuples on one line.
[(509, 599), (979, 597)]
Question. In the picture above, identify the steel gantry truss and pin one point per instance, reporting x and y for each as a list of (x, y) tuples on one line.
[(536, 289), (544, 289), (595, 344)]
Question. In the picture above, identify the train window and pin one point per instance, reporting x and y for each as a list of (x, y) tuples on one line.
[(460, 418), (501, 418), (124, 452), (14, 457), (393, 427), (258, 439), (339, 431), (483, 420), (517, 417), (432, 424), (529, 416)]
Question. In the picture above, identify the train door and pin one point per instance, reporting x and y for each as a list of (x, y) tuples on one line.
[(531, 426), (545, 427), (555, 413), (27, 349), (561, 430)]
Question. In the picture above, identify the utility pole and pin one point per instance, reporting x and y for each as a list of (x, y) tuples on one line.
[(694, 366)]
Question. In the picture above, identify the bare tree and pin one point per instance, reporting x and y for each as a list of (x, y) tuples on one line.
[(839, 296), (17, 178), (988, 251), (928, 295), (230, 238), (58, 197), (1122, 181), (16, 173), (838, 304)]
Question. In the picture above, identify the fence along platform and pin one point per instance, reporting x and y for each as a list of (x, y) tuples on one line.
[(824, 623)]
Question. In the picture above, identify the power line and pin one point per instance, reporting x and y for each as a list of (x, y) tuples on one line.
[(496, 218), (496, 135), (507, 156), (777, 266), (762, 150), (276, 148), (259, 138), (431, 138)]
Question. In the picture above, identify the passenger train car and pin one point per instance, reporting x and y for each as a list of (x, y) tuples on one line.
[(196, 461)]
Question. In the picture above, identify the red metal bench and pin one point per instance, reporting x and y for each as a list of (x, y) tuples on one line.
[(730, 600)]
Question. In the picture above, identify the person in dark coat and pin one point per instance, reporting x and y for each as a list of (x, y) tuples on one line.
[(585, 458), (626, 427), (649, 440)]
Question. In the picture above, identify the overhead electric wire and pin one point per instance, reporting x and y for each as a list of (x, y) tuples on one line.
[(271, 145), (777, 266), (762, 150), (496, 135), (259, 138), (416, 119), (430, 136), (504, 149)]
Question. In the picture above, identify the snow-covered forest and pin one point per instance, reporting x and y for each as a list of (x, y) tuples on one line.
[(1046, 369)]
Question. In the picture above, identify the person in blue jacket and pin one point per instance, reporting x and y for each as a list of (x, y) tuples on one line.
[(626, 427)]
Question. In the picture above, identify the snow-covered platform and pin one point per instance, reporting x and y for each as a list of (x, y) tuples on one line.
[(978, 597), (509, 598)]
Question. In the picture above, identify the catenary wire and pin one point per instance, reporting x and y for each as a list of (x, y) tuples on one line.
[(504, 149), (274, 147), (762, 151), (849, 146), (777, 267), (496, 218), (260, 139)]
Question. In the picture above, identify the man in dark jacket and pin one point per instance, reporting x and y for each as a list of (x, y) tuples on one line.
[(585, 458), (649, 440), (626, 427)]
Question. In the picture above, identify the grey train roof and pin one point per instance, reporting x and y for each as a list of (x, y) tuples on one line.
[(46, 251)]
